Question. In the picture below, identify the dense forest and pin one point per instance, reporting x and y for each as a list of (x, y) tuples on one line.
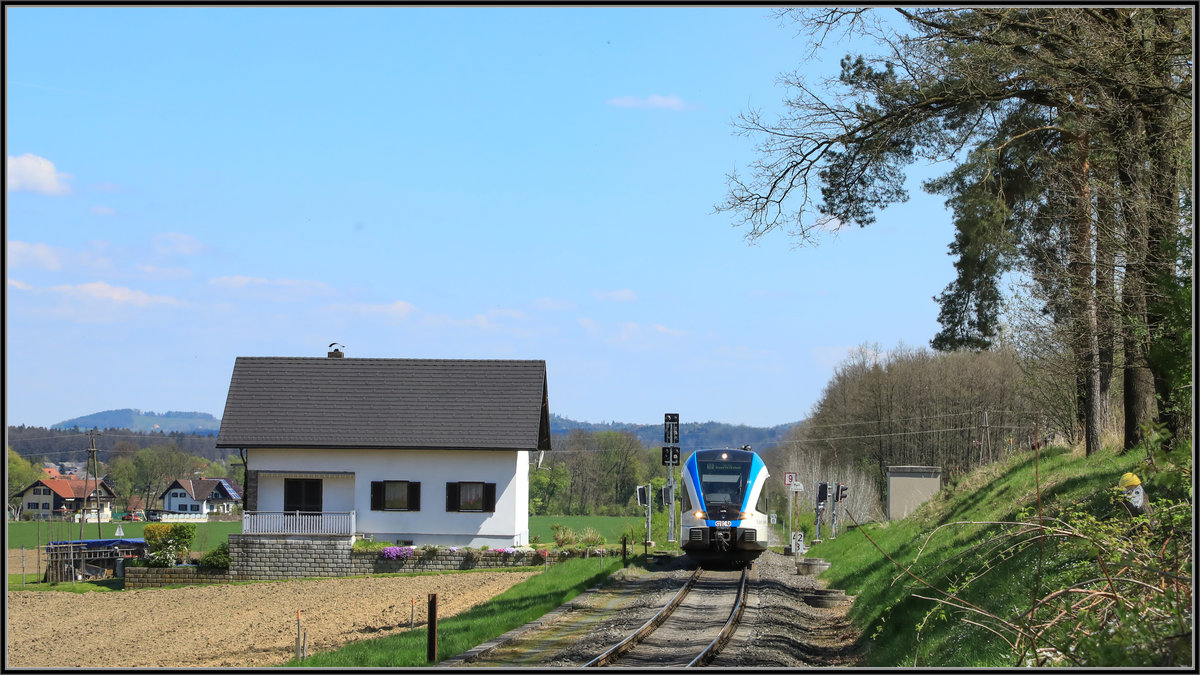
[(137, 420), (71, 445)]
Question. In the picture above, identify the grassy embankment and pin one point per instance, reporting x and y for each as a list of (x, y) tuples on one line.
[(515, 607), (963, 550)]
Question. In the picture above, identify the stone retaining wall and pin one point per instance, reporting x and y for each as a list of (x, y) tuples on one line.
[(157, 577), (259, 557)]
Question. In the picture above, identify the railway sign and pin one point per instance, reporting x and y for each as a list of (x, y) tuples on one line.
[(789, 477), (797, 487)]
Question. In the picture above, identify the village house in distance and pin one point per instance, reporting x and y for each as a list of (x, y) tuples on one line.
[(416, 451)]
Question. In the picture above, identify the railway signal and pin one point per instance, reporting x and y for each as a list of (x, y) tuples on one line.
[(670, 458), (670, 455), (671, 428)]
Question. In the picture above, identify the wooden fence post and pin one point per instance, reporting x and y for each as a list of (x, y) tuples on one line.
[(431, 629)]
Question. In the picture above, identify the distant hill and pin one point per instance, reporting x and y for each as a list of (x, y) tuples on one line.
[(136, 420), (692, 435)]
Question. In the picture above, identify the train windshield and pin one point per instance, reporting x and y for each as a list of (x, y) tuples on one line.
[(723, 481)]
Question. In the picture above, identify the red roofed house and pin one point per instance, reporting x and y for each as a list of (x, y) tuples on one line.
[(51, 497)]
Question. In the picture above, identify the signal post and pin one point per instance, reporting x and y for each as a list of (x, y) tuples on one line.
[(670, 459)]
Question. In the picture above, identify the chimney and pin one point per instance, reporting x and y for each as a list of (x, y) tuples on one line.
[(334, 353)]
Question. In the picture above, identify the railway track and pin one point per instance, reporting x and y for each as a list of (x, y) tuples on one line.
[(690, 629)]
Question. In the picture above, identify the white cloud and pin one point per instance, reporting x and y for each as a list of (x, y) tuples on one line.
[(103, 211), (237, 281), (398, 309), (278, 290), (19, 285), (30, 173), (157, 272), (21, 254), (99, 290), (659, 328), (550, 304), (174, 242), (653, 101), (621, 295)]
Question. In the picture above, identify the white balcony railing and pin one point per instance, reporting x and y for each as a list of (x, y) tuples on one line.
[(298, 522)]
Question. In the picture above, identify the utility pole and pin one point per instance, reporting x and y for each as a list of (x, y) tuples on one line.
[(95, 459)]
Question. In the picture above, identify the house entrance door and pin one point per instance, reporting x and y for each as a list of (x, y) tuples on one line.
[(302, 494)]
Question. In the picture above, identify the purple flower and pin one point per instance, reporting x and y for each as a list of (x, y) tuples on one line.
[(396, 552)]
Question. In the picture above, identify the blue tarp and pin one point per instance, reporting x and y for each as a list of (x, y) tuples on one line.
[(104, 543)]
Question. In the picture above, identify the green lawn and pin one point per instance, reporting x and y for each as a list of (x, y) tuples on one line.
[(26, 534)]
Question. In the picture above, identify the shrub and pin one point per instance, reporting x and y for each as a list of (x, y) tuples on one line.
[(564, 536), (218, 558), (591, 538), (367, 546), (168, 543), (155, 534)]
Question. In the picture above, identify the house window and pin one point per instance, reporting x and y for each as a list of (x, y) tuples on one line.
[(471, 496), (302, 494), (395, 495), (31, 505), (195, 507), (45, 505)]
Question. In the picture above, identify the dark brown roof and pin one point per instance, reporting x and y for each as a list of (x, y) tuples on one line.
[(201, 490), (386, 403)]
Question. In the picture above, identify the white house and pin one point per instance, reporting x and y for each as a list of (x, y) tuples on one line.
[(200, 497), (63, 497), (419, 451)]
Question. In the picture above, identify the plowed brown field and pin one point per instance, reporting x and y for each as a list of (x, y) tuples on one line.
[(224, 626)]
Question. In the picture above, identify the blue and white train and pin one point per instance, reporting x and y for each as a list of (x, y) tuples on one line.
[(721, 521)]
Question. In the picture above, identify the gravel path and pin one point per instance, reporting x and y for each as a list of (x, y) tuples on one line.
[(778, 628)]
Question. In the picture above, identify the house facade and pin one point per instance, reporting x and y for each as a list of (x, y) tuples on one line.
[(62, 498), (417, 451), (200, 497)]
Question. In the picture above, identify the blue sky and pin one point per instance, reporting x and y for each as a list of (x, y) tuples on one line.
[(189, 185)]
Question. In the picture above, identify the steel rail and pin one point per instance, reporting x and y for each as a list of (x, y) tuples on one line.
[(655, 621), (735, 617)]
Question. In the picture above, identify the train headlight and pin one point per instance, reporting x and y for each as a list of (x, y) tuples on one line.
[(746, 515), (700, 515)]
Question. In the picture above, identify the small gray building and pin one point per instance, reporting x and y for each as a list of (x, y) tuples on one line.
[(908, 487)]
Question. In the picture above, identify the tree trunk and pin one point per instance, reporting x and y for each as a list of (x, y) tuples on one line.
[(1084, 298), (1138, 379), (1162, 222), (1106, 298)]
